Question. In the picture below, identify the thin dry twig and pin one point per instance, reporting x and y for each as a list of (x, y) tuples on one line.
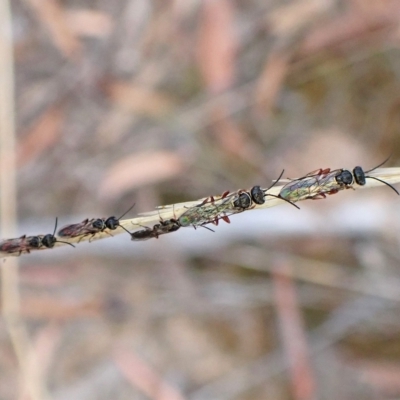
[(326, 274), (260, 371), (149, 219), (9, 274), (293, 333), (54, 19), (142, 376)]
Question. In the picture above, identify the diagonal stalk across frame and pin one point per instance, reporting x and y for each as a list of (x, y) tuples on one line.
[(175, 211)]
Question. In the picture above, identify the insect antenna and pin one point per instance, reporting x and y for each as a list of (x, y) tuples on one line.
[(59, 241), (275, 181), (55, 227), (126, 230), (112, 222), (380, 180), (126, 212), (279, 197), (378, 165)]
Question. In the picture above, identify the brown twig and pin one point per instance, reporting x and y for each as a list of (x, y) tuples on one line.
[(9, 274)]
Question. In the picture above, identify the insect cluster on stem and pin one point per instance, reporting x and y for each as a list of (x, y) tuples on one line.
[(314, 185), (317, 184)]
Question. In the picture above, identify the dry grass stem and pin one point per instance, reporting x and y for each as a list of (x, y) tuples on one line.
[(9, 274), (149, 219)]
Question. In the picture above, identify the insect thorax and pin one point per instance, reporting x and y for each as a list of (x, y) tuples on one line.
[(99, 224), (345, 177), (35, 241), (243, 201)]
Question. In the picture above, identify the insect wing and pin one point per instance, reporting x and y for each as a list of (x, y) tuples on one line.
[(83, 228), (311, 186), (298, 190), (195, 215), (17, 245), (207, 212), (233, 203), (316, 173)]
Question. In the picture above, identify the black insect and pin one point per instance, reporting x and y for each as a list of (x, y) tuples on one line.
[(163, 227), (246, 199), (167, 226), (25, 244), (212, 210), (49, 240), (111, 223), (83, 229), (317, 184), (91, 227), (144, 234)]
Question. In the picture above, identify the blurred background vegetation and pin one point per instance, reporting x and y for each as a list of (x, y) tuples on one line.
[(156, 102)]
